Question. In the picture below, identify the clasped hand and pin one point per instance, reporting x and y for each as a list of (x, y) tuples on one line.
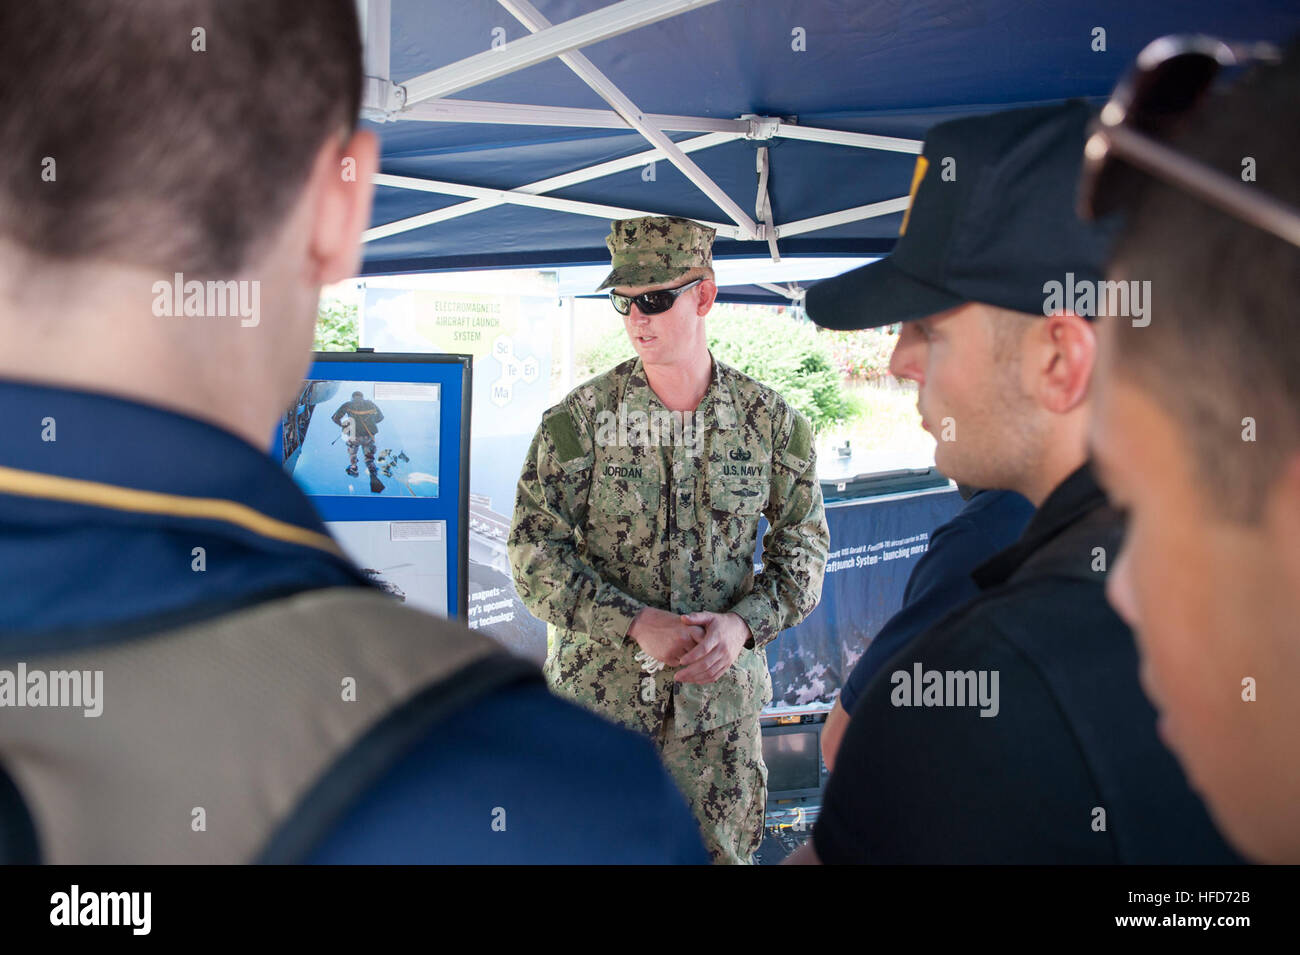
[(702, 645)]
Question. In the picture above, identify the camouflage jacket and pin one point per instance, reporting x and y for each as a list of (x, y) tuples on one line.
[(623, 505)]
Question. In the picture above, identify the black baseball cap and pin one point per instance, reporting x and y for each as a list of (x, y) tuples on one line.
[(992, 219)]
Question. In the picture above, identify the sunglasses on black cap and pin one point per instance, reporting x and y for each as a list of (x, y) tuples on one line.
[(650, 303), (1171, 77)]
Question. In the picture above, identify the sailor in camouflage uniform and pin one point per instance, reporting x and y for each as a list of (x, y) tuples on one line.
[(635, 528)]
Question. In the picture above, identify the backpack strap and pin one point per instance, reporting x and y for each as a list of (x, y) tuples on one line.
[(18, 844), (217, 742), (379, 750)]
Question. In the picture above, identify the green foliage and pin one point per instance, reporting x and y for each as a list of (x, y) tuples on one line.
[(782, 352), (603, 353), (862, 355), (336, 325), (787, 355)]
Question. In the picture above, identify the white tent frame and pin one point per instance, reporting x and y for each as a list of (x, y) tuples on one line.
[(546, 42), (422, 99)]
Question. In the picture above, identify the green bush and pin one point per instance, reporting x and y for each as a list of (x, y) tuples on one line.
[(787, 355), (862, 355), (603, 353), (336, 325), (782, 352)]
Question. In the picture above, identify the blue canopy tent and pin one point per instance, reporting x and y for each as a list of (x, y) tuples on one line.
[(512, 132)]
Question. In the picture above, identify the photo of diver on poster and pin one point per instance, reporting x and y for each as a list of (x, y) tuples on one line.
[(390, 426), (359, 419)]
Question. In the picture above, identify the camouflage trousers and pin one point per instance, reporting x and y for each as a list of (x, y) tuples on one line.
[(367, 444), (724, 779)]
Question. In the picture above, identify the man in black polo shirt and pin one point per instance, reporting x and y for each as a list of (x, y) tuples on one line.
[(1014, 730), (940, 583)]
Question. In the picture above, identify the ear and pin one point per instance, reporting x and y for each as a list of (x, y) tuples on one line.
[(341, 187), (708, 295), (1065, 356)]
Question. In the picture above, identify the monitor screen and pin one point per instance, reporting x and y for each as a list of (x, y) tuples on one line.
[(792, 761)]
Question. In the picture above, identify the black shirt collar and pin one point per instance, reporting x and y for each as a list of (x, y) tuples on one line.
[(1072, 500)]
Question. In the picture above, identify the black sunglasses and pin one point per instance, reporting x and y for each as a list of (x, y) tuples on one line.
[(650, 303), (1171, 77)]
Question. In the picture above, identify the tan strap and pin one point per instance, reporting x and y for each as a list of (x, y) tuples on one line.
[(211, 734)]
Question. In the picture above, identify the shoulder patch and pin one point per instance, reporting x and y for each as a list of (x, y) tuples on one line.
[(800, 442), (564, 436)]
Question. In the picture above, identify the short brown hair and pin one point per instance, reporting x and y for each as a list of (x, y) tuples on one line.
[(164, 156), (1223, 343), (1007, 328)]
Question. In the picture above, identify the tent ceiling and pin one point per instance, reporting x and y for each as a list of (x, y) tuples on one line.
[(890, 68)]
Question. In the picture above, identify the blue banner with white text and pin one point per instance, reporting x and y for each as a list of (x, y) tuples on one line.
[(874, 546)]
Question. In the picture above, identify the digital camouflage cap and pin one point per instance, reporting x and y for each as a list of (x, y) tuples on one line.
[(652, 250)]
